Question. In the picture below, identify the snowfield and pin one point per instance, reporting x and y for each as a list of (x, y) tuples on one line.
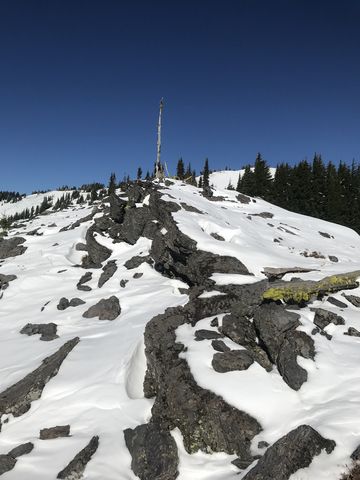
[(98, 389)]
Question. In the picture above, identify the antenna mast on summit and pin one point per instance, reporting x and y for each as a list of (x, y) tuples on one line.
[(159, 171)]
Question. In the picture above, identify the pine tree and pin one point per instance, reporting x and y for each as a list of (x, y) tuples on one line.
[(147, 176), (200, 184), (318, 185), (206, 175), (262, 178), (139, 173), (189, 171), (281, 187), (112, 184), (247, 183), (180, 169)]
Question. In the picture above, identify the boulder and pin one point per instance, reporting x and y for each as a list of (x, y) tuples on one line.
[(353, 299), (63, 304), (105, 309), (84, 279), (5, 280), (55, 432), (75, 302), (243, 198), (117, 208), (220, 346), (46, 330), (11, 247), (232, 360), (7, 463), (108, 271), (153, 451), (289, 454), (352, 332), (323, 318), (138, 275), (204, 334), (97, 253), (136, 261), (22, 449), (336, 302), (75, 469)]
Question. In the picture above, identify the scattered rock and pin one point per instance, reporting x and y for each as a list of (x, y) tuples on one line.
[(84, 279), (220, 346), (243, 198), (81, 247), (76, 467), (313, 254), (262, 215), (11, 247), (334, 259), (46, 330), (153, 451), (323, 318), (138, 275), (263, 444), (136, 261), (108, 271), (204, 334), (63, 304), (97, 253), (336, 302), (232, 360), (317, 330), (75, 302), (353, 299), (214, 322), (217, 237), (55, 432), (17, 399), (22, 449), (190, 208), (123, 283), (7, 463), (352, 332), (105, 309), (5, 280), (292, 452), (326, 235)]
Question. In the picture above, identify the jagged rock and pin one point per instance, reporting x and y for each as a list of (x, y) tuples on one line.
[(205, 420), (103, 223), (11, 247), (84, 279), (243, 198), (105, 309), (239, 329), (5, 280), (334, 259), (7, 463), (123, 283), (97, 253), (277, 273), (138, 275), (75, 469), (289, 454), (231, 360), (190, 208), (46, 330), (317, 330), (55, 432), (217, 237), (214, 322), (323, 318), (153, 451), (353, 299), (352, 332), (22, 449), (134, 224), (326, 235), (204, 334), (220, 346), (17, 398), (75, 302), (336, 302), (63, 304), (77, 223), (136, 261), (117, 208), (108, 271)]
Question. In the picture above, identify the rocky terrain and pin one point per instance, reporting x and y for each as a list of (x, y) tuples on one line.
[(165, 333)]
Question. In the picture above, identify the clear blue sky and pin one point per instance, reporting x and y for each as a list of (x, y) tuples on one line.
[(80, 83)]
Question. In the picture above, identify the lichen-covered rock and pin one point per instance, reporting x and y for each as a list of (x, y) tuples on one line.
[(11, 247), (17, 398), (46, 330), (153, 451), (108, 271), (75, 469), (232, 360), (289, 454), (105, 309)]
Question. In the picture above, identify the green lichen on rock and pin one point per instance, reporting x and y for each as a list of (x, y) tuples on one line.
[(300, 291)]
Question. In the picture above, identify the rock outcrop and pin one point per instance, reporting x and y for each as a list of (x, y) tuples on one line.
[(11, 247), (75, 469), (105, 309)]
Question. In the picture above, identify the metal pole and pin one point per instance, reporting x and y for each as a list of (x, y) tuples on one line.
[(159, 170)]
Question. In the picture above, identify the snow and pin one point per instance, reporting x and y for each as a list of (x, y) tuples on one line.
[(221, 180), (98, 389)]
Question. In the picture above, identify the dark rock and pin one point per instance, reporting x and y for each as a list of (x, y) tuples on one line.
[(63, 304), (108, 271), (136, 261), (55, 432), (75, 469), (317, 330), (274, 274), (34, 232), (96, 253), (217, 237), (352, 332), (239, 329), (323, 318), (84, 279), (242, 464), (326, 235), (263, 444), (232, 360), (103, 223), (356, 454), (77, 223), (262, 215), (190, 208), (138, 275), (23, 449), (46, 330), (17, 399), (353, 299), (153, 451), (5, 280), (117, 208), (220, 346), (7, 463), (243, 198), (84, 288), (123, 283), (105, 309), (334, 259), (75, 302), (336, 302), (204, 334), (135, 222), (11, 247), (292, 452), (214, 322), (81, 247)]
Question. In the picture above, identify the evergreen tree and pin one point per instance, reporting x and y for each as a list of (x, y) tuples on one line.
[(262, 178), (318, 186), (112, 184), (139, 173), (206, 175), (200, 184), (247, 183), (281, 187), (180, 169), (189, 171), (147, 176)]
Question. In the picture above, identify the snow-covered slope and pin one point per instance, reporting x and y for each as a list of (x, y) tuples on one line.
[(223, 178), (34, 200), (99, 387)]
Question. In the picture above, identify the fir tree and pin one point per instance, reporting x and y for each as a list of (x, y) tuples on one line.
[(112, 184), (147, 176), (262, 178), (139, 173), (200, 184), (180, 169), (206, 175), (247, 183)]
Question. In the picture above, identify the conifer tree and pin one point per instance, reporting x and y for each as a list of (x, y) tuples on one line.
[(139, 173), (247, 183), (147, 176), (206, 175), (262, 178), (180, 169), (200, 184), (112, 184)]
